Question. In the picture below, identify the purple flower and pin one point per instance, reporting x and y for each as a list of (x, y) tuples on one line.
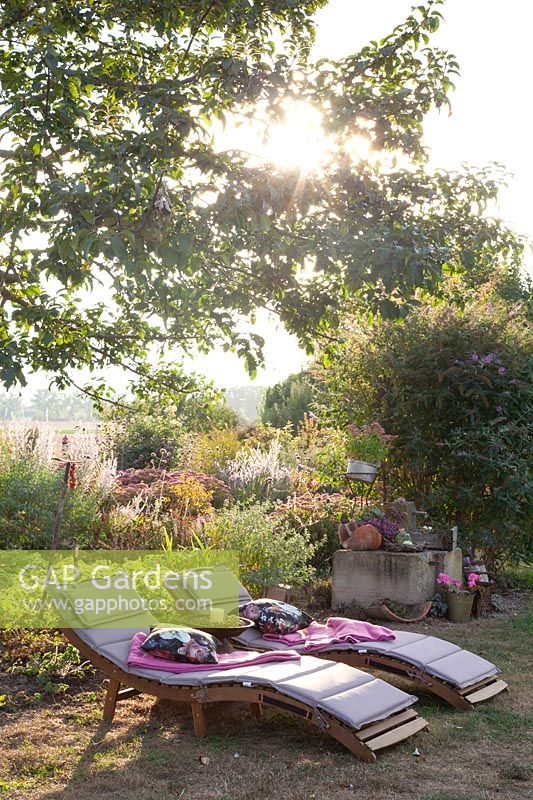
[(461, 453), (474, 357), (501, 370), (489, 308), (488, 359), (499, 409), (388, 529), (441, 444)]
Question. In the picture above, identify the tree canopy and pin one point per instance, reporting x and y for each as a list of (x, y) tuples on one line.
[(287, 402), (125, 231)]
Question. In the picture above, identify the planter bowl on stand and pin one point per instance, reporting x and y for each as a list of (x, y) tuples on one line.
[(361, 471)]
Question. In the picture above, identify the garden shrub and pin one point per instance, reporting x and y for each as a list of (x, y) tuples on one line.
[(313, 459), (29, 494), (144, 440), (323, 450), (188, 498), (188, 504), (210, 451), (221, 417), (139, 524), (155, 483), (318, 516), (257, 475), (456, 388), (153, 507), (288, 402), (263, 436), (220, 492), (270, 551)]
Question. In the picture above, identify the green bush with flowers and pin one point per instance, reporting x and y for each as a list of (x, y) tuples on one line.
[(369, 443), (270, 551), (318, 516), (456, 389), (144, 440)]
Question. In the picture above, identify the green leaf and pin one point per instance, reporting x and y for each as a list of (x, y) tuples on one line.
[(117, 247), (88, 216)]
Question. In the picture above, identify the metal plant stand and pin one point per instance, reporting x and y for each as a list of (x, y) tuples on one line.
[(363, 491)]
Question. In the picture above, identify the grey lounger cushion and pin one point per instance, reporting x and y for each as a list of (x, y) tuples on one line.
[(353, 696), (445, 660)]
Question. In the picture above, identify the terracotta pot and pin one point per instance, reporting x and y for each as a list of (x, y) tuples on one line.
[(459, 606), (364, 537), (383, 612)]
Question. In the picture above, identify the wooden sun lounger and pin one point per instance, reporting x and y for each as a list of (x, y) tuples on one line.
[(365, 714), (435, 665), (465, 679)]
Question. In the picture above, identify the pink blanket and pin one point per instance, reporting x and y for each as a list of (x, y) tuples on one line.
[(337, 630), (240, 658)]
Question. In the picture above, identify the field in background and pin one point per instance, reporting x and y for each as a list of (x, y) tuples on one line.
[(63, 426)]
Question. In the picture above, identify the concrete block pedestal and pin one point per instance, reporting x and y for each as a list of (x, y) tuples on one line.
[(362, 578)]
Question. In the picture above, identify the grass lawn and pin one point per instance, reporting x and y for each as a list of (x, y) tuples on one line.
[(57, 747)]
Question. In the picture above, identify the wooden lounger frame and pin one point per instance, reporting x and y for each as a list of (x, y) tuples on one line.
[(363, 743)]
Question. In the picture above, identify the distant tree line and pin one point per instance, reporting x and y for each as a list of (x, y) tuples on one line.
[(287, 402), (45, 405)]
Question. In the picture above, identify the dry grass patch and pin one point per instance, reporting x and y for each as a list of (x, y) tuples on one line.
[(58, 749)]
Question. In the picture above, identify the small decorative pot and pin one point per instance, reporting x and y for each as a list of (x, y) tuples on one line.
[(459, 606), (361, 470)]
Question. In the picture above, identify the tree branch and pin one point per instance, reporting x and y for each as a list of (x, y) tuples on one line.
[(195, 32), (99, 398), (6, 295)]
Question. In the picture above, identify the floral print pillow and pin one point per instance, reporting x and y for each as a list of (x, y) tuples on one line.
[(271, 616), (182, 644)]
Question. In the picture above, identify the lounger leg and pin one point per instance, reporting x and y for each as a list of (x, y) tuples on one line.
[(111, 699), (198, 718), (255, 710)]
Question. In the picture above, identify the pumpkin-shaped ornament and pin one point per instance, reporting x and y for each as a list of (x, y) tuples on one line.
[(359, 537)]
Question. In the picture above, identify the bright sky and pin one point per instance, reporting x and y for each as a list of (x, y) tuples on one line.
[(490, 121)]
